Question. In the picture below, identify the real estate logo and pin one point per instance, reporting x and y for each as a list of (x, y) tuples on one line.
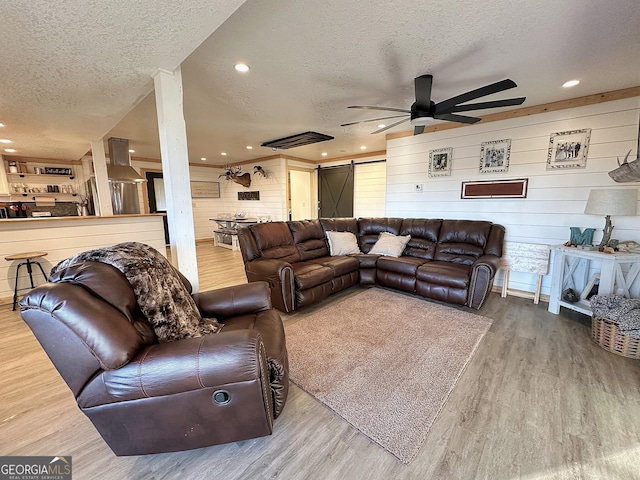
[(35, 468)]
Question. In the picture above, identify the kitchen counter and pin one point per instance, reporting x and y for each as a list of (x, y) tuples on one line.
[(62, 237), (75, 218)]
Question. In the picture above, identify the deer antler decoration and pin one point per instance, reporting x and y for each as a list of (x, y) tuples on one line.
[(236, 175)]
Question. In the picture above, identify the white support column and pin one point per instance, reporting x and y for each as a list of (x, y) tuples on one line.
[(175, 169), (102, 179)]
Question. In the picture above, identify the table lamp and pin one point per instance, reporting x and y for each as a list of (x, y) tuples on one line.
[(611, 201)]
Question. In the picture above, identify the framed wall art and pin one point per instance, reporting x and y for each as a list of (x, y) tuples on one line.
[(516, 188), (440, 162), (201, 189), (494, 156), (568, 149)]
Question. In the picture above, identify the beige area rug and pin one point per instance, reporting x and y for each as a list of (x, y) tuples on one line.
[(384, 361)]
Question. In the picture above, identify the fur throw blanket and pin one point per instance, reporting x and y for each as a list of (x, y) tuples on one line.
[(162, 297), (624, 312)]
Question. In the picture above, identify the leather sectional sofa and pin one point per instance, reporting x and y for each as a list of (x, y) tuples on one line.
[(453, 261)]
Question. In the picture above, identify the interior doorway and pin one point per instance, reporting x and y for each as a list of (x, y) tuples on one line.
[(157, 199), (335, 191), (300, 195)]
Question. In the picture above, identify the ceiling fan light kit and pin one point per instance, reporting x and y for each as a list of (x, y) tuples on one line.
[(424, 111)]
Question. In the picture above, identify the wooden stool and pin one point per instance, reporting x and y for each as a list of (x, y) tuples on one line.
[(29, 257)]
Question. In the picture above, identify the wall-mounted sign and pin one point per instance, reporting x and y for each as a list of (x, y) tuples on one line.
[(495, 189), (205, 189), (57, 171), (249, 195)]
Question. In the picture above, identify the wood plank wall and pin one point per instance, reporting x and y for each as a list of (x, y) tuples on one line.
[(556, 198), (61, 238)]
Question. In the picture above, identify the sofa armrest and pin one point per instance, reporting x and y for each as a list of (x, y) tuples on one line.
[(182, 366), (488, 261), (482, 274), (279, 275), (233, 301)]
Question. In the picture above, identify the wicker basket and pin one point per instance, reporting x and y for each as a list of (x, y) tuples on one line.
[(605, 333)]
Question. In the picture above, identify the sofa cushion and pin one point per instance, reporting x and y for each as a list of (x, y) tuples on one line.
[(404, 265), (462, 241), (339, 265), (424, 236), (367, 260), (308, 275), (390, 245), (275, 241), (308, 237), (371, 228), (448, 274), (340, 224), (342, 243)]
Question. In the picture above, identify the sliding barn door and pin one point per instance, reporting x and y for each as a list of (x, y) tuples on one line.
[(335, 191)]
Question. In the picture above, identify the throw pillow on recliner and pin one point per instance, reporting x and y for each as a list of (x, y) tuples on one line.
[(342, 243), (390, 245)]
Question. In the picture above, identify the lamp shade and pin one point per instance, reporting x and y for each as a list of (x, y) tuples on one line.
[(612, 201)]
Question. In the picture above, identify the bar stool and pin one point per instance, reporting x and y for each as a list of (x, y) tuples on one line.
[(29, 257)]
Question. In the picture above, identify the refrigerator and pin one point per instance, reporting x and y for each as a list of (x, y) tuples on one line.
[(124, 197)]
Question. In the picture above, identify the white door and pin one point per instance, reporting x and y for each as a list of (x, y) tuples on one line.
[(300, 184)]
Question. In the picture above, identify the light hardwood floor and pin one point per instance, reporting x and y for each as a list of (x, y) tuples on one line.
[(538, 401)]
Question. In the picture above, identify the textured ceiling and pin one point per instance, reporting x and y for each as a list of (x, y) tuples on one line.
[(81, 69)]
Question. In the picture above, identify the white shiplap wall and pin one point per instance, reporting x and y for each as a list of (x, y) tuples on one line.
[(272, 194), (370, 181), (555, 200)]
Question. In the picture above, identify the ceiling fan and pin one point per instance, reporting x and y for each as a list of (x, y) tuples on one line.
[(424, 110)]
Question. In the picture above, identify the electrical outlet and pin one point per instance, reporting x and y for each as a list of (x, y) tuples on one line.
[(418, 187)]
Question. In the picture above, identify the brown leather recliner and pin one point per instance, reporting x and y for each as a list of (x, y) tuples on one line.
[(148, 397)]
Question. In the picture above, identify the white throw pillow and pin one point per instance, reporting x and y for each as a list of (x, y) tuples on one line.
[(342, 243), (390, 245)]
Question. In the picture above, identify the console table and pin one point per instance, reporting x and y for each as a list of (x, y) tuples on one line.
[(571, 267)]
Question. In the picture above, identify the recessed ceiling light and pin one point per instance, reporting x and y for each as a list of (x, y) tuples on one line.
[(132, 151), (363, 147), (570, 83), (324, 154), (4, 140), (223, 153), (382, 125), (10, 150), (1, 124), (249, 147), (241, 67), (203, 158)]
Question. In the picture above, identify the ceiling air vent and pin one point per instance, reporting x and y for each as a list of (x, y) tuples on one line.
[(306, 138)]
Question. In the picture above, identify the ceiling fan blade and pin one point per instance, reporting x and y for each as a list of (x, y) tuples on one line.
[(457, 118), (418, 129), (386, 109), (500, 86), (391, 126), (481, 105), (371, 120), (423, 90)]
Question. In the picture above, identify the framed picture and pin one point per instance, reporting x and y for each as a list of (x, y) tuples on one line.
[(494, 156), (568, 149), (201, 189), (440, 162), (516, 188)]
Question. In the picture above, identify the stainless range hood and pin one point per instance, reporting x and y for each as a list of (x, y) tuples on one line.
[(120, 169)]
